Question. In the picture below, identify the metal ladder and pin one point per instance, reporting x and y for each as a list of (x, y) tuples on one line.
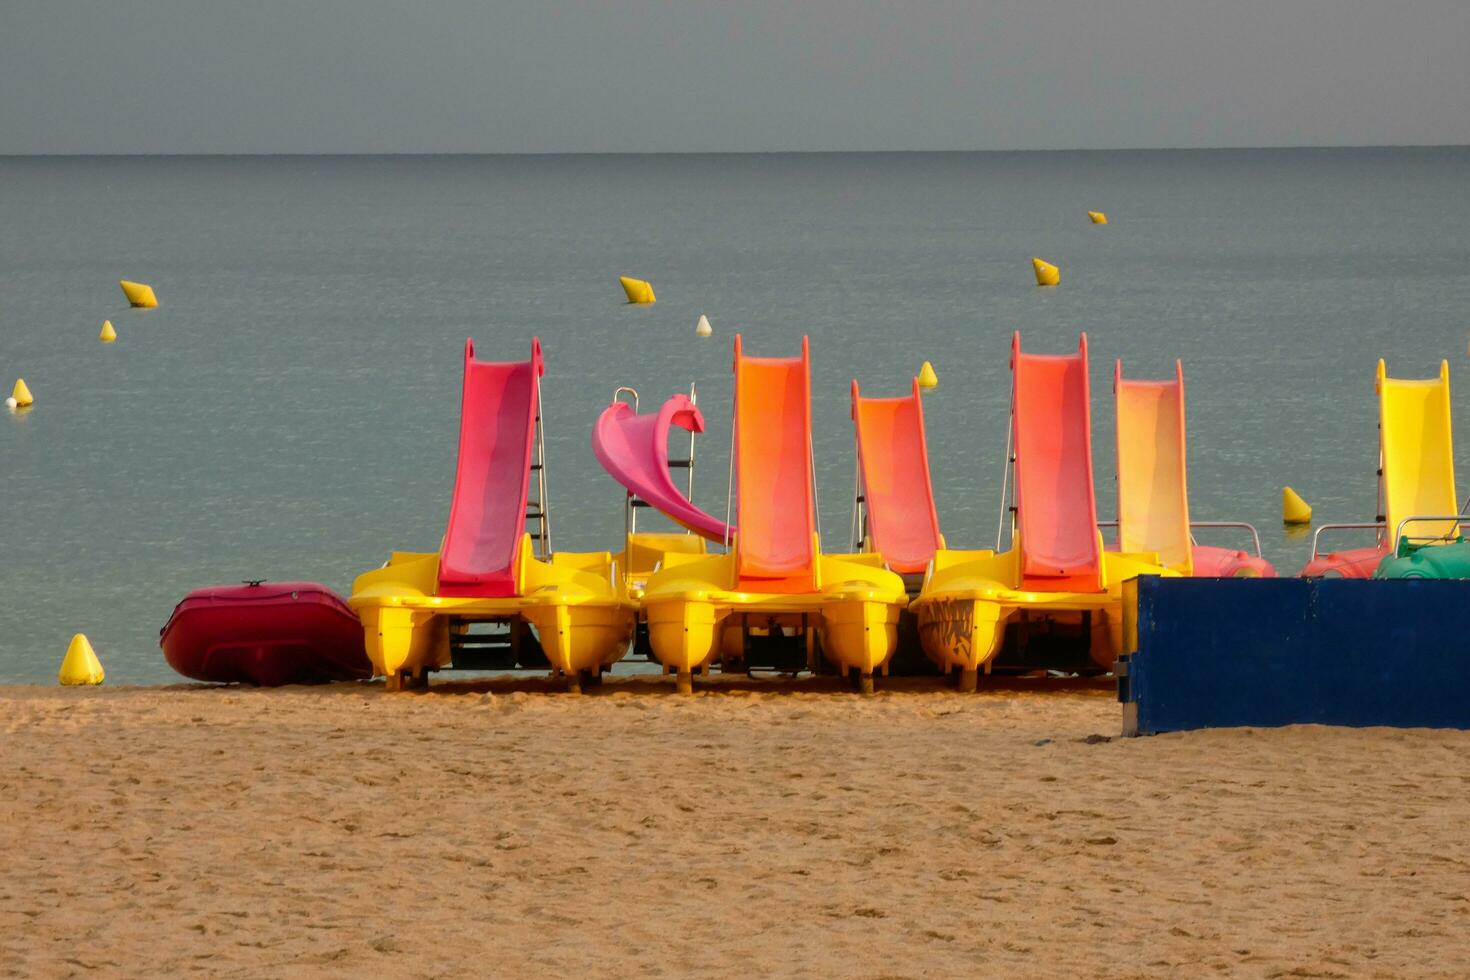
[(538, 512)]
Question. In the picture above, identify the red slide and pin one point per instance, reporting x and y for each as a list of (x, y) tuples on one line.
[(1056, 508), (893, 457), (497, 432), (775, 549)]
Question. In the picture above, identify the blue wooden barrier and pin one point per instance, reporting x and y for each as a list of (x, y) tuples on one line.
[(1228, 652)]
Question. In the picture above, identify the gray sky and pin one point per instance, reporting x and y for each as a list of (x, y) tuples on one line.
[(321, 76)]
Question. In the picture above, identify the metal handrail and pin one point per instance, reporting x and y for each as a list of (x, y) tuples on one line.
[(1255, 535), (694, 402), (811, 455), (630, 522), (630, 512), (1005, 477), (1317, 534), (730, 486), (541, 503), (631, 502), (1425, 518)]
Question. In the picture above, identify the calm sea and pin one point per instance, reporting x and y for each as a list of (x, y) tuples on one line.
[(290, 410)]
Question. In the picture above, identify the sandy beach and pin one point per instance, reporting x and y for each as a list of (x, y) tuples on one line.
[(756, 829)]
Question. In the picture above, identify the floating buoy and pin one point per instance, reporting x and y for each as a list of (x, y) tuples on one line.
[(702, 328), (1098, 218), (10, 404), (138, 293), (80, 665), (22, 394), (1046, 273), (638, 291), (1294, 510), (108, 334), (927, 377)]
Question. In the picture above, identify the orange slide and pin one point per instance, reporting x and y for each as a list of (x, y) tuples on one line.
[(1056, 509), (894, 489), (776, 547)]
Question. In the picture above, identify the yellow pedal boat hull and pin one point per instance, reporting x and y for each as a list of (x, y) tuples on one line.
[(576, 603), (969, 597), (693, 615)]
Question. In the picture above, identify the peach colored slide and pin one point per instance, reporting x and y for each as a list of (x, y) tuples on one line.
[(1153, 488), (893, 460), (1056, 509), (775, 548)]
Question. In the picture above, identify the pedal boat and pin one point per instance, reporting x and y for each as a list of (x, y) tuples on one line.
[(576, 602), (774, 576)]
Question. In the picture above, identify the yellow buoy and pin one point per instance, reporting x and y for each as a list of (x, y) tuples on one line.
[(702, 328), (1294, 510), (927, 377), (638, 291), (1098, 218), (138, 293), (1046, 273), (80, 665), (108, 334), (22, 394)]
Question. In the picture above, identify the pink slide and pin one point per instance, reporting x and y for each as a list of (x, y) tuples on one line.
[(893, 458), (497, 432), (634, 449), (1061, 550)]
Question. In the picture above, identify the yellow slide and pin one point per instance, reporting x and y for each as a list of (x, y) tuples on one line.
[(1418, 455)]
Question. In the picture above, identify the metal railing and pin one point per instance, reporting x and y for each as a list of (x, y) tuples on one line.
[(542, 514), (631, 503), (1398, 535), (730, 485), (1452, 535), (1006, 506), (1317, 534), (1240, 525)]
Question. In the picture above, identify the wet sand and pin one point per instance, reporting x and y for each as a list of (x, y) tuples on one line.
[(760, 828)]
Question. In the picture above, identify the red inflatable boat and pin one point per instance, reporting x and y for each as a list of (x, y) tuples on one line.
[(265, 633)]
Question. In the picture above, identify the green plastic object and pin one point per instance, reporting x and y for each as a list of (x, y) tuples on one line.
[(1445, 561)]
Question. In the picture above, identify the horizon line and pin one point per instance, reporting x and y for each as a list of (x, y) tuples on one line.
[(826, 152)]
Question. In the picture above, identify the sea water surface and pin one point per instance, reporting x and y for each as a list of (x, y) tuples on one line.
[(290, 410)]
